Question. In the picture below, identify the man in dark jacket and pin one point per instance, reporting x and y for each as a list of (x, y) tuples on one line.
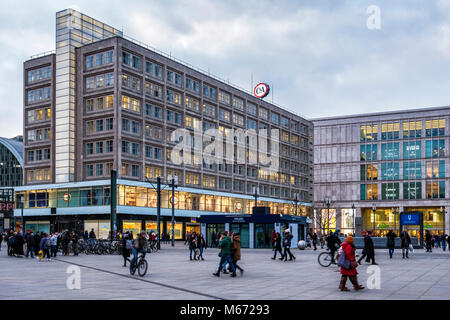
[(29, 239), (37, 241), (369, 250), (444, 241), (287, 245), (405, 242), (19, 244), (391, 242), (333, 244), (428, 240), (314, 241), (225, 254)]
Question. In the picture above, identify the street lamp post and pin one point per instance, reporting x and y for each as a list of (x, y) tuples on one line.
[(374, 208), (21, 213), (328, 203), (296, 201), (173, 180), (443, 212), (353, 216)]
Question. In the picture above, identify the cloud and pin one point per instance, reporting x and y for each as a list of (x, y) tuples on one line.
[(319, 56)]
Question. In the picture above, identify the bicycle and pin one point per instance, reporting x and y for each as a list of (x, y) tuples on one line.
[(141, 265), (325, 259)]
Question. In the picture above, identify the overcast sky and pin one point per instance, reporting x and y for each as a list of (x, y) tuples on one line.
[(320, 57)]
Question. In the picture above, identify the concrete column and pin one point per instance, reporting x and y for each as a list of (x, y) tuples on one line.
[(278, 227), (447, 220), (227, 227), (203, 230), (251, 235), (294, 230)]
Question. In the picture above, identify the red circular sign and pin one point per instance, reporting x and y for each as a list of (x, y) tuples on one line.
[(175, 202), (261, 90)]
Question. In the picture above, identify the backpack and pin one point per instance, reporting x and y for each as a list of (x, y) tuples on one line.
[(128, 244), (48, 243), (342, 260)]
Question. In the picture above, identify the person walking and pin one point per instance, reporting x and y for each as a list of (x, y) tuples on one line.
[(277, 247), (437, 241), (19, 244), (391, 242), (192, 245), (65, 242), (201, 245), (448, 241), (314, 241), (348, 249), (29, 239), (1, 240), (273, 239), (54, 244), (45, 246), (225, 252), (444, 241), (405, 242), (236, 251), (369, 250), (10, 243), (308, 241), (287, 245), (126, 247), (428, 239), (74, 239)]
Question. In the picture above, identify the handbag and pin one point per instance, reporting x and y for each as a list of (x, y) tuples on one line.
[(411, 248)]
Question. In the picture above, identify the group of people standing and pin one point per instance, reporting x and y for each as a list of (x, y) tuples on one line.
[(196, 245)]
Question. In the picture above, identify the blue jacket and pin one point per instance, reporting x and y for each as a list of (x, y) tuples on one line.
[(42, 244)]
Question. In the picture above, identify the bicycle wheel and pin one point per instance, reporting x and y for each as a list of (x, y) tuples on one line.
[(142, 267), (324, 259), (133, 269)]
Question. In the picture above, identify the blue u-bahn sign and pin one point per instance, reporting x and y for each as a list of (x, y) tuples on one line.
[(410, 219)]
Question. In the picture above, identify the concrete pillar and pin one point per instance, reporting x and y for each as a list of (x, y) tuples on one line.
[(227, 227), (251, 235), (294, 230), (203, 230), (447, 220), (278, 227)]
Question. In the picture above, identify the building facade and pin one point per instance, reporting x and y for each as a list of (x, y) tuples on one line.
[(103, 102), (370, 168), (11, 175)]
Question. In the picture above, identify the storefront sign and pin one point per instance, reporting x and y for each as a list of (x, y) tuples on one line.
[(6, 206), (193, 220), (410, 219), (261, 90), (427, 226), (383, 226), (175, 200)]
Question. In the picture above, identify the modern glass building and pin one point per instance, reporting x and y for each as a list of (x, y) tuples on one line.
[(370, 168), (105, 102), (11, 175)]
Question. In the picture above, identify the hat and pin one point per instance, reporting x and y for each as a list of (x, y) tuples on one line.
[(349, 239)]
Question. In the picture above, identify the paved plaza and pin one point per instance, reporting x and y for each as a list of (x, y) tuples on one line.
[(173, 276)]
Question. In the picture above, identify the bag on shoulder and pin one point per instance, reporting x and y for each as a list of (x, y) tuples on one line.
[(343, 261)]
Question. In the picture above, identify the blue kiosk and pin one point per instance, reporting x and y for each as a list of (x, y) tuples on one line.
[(255, 229)]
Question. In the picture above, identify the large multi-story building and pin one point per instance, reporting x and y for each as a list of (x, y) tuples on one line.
[(102, 102), (370, 168)]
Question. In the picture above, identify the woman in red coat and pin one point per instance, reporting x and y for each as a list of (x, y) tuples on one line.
[(348, 248)]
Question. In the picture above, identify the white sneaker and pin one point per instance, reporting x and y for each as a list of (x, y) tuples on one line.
[(49, 259)]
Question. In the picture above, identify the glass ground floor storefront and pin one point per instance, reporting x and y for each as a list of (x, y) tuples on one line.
[(386, 219), (141, 195)]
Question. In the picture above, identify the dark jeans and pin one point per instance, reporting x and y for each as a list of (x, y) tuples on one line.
[(135, 255), (30, 249), (194, 251), (223, 259), (287, 250), (275, 252), (46, 253), (54, 250), (391, 252)]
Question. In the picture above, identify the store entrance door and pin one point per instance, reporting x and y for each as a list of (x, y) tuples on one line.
[(243, 230), (213, 231), (412, 221)]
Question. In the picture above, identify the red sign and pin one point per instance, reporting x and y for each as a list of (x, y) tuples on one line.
[(176, 200), (6, 206), (261, 90), (66, 197)]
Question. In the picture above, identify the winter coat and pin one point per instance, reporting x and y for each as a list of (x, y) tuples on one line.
[(287, 240), (391, 240), (236, 248), (349, 252), (278, 243), (368, 245), (92, 235), (29, 238), (192, 242), (225, 246), (406, 240), (201, 242)]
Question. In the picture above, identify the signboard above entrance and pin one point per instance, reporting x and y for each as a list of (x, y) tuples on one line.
[(410, 219)]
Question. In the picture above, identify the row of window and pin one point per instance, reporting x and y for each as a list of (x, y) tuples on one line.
[(98, 169), (39, 114), (411, 190), (411, 150), (39, 74), (38, 175), (38, 95), (100, 147), (99, 59), (411, 129), (38, 134), (100, 81), (99, 125), (38, 155), (411, 170), (100, 103)]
